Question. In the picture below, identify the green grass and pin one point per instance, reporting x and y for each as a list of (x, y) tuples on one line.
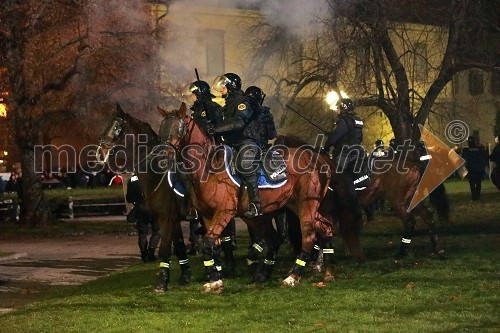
[(420, 294)]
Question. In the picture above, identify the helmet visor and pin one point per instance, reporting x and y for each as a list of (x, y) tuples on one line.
[(220, 82)]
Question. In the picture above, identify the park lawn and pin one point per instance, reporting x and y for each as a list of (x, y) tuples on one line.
[(420, 294)]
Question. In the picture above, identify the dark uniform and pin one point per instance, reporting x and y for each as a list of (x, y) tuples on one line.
[(495, 158), (348, 153), (206, 114), (143, 218), (239, 133), (476, 159), (264, 121)]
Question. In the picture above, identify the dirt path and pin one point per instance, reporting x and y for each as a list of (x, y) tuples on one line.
[(38, 266)]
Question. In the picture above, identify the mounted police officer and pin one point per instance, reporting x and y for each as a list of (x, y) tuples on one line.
[(265, 120), (206, 113), (236, 129), (348, 153), (347, 136), (142, 217)]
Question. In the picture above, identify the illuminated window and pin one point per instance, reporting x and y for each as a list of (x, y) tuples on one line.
[(3, 110)]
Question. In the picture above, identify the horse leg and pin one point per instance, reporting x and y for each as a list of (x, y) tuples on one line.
[(228, 246), (328, 252), (427, 215), (181, 254), (409, 225), (215, 228), (273, 240), (164, 254), (308, 237)]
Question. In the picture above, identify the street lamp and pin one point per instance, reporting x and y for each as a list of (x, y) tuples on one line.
[(332, 98)]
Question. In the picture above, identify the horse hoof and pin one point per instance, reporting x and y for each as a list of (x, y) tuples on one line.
[(260, 278), (215, 287), (161, 288), (184, 280), (291, 281), (329, 278)]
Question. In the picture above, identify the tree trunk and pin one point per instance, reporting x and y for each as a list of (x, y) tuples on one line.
[(34, 210)]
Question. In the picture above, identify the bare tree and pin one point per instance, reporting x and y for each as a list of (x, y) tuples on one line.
[(64, 59), (366, 49)]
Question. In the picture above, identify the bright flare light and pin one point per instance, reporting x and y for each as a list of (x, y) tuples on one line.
[(332, 98), (3, 110)]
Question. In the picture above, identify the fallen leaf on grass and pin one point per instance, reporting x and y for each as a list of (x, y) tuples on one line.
[(454, 298), (410, 285), (319, 284)]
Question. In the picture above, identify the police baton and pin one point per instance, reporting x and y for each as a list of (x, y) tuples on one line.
[(306, 119)]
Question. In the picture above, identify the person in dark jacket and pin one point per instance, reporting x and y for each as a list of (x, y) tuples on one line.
[(264, 118), (237, 132), (348, 154), (476, 159), (143, 218), (495, 158)]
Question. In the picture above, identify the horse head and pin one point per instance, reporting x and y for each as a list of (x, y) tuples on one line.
[(116, 133), (178, 129), (112, 134)]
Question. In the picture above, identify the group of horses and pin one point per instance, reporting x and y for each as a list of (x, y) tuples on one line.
[(307, 193)]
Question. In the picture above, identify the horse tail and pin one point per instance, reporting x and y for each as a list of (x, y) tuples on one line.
[(439, 200)]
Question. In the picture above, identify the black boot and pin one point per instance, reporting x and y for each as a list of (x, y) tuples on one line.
[(151, 254), (254, 208), (188, 211), (143, 247)]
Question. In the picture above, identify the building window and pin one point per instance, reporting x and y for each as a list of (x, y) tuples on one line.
[(421, 64), (476, 83), (215, 52), (495, 83)]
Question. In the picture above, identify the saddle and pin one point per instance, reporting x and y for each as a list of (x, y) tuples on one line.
[(271, 174), (272, 168)]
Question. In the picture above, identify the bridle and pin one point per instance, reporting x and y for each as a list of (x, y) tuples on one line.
[(107, 139)]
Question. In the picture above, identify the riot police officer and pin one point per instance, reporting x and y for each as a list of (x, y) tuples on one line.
[(476, 159), (347, 135), (348, 153), (142, 218), (206, 112), (237, 117), (265, 121)]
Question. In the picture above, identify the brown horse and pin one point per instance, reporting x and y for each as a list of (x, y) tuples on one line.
[(160, 198), (398, 188), (218, 199)]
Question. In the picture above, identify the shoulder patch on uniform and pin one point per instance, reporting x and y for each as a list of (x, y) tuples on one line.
[(358, 122), (203, 113), (242, 107)]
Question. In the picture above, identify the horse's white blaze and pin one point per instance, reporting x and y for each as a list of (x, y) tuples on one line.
[(98, 155)]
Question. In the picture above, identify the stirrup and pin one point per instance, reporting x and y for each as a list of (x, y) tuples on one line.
[(192, 215), (253, 210)]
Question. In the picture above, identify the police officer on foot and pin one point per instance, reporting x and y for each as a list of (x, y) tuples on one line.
[(476, 159), (238, 114), (142, 218)]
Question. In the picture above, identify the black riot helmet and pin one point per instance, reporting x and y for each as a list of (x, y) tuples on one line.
[(229, 80), (345, 104), (201, 89), (256, 94), (471, 141)]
